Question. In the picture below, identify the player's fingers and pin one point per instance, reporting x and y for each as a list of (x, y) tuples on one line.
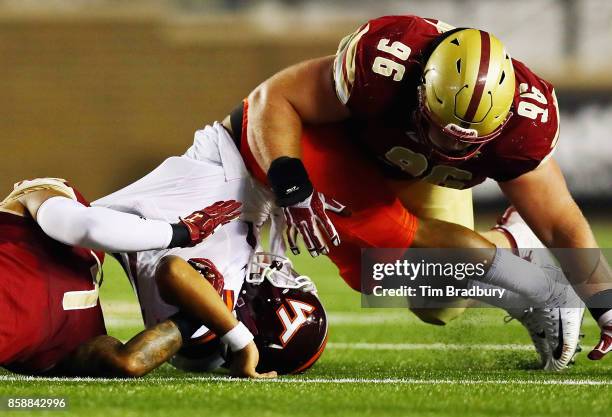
[(324, 247), (232, 215), (320, 246), (336, 207), (317, 237), (330, 230), (292, 239), (266, 375), (232, 205), (291, 232), (310, 239)]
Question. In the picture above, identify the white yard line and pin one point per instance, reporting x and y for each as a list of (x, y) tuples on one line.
[(343, 319), (427, 346), (392, 381)]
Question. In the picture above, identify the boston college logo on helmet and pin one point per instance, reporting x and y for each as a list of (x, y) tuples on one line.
[(293, 325)]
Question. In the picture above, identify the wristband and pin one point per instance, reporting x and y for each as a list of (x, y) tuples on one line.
[(237, 338), (180, 236), (289, 181)]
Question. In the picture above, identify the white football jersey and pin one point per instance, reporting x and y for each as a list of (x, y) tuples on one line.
[(211, 170)]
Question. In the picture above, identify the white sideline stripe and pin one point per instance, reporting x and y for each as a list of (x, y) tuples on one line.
[(393, 381), (427, 346), (342, 319)]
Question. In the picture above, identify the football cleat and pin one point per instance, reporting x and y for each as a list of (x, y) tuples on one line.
[(534, 321), (565, 320), (563, 330), (555, 327), (604, 346), (203, 223)]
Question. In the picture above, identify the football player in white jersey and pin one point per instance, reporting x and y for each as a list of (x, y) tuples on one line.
[(211, 170)]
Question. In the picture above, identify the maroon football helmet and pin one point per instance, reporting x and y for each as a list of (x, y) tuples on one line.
[(284, 314)]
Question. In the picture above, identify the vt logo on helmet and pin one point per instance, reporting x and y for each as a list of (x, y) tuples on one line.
[(466, 94), (282, 310)]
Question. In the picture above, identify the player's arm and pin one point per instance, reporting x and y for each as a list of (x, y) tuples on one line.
[(105, 356), (303, 93), (65, 219), (278, 108), (182, 286), (542, 198)]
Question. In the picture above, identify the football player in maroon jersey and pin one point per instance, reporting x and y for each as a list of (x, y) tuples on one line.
[(50, 318), (407, 99)]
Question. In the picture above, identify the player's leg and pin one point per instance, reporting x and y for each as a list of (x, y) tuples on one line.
[(426, 200), (563, 344), (105, 356), (199, 304), (379, 220)]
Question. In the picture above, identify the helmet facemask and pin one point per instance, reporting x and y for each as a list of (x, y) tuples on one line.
[(424, 122), (466, 94), (279, 271)]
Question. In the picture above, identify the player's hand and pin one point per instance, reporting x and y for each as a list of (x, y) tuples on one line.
[(307, 218), (245, 361), (604, 346), (203, 223)]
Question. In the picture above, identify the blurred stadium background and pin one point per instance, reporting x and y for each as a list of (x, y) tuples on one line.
[(100, 91)]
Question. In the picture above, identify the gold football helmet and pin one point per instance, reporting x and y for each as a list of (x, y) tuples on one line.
[(466, 94)]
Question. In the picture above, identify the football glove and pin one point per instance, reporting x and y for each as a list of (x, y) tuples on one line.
[(209, 271), (307, 218), (203, 223)]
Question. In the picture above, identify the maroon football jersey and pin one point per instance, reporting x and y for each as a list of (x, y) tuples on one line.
[(48, 296), (376, 73)]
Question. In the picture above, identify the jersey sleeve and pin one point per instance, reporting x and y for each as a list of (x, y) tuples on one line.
[(531, 138), (373, 65)]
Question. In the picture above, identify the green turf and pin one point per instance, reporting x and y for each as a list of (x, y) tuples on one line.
[(469, 381)]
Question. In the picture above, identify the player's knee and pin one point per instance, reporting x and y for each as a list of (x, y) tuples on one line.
[(169, 270), (433, 233)]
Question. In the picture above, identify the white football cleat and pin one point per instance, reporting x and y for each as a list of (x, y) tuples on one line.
[(554, 328), (534, 320), (565, 337), (563, 329)]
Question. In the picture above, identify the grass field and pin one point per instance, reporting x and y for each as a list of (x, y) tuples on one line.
[(381, 362)]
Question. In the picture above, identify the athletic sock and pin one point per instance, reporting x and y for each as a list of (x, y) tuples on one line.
[(510, 300), (597, 306), (520, 276)]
